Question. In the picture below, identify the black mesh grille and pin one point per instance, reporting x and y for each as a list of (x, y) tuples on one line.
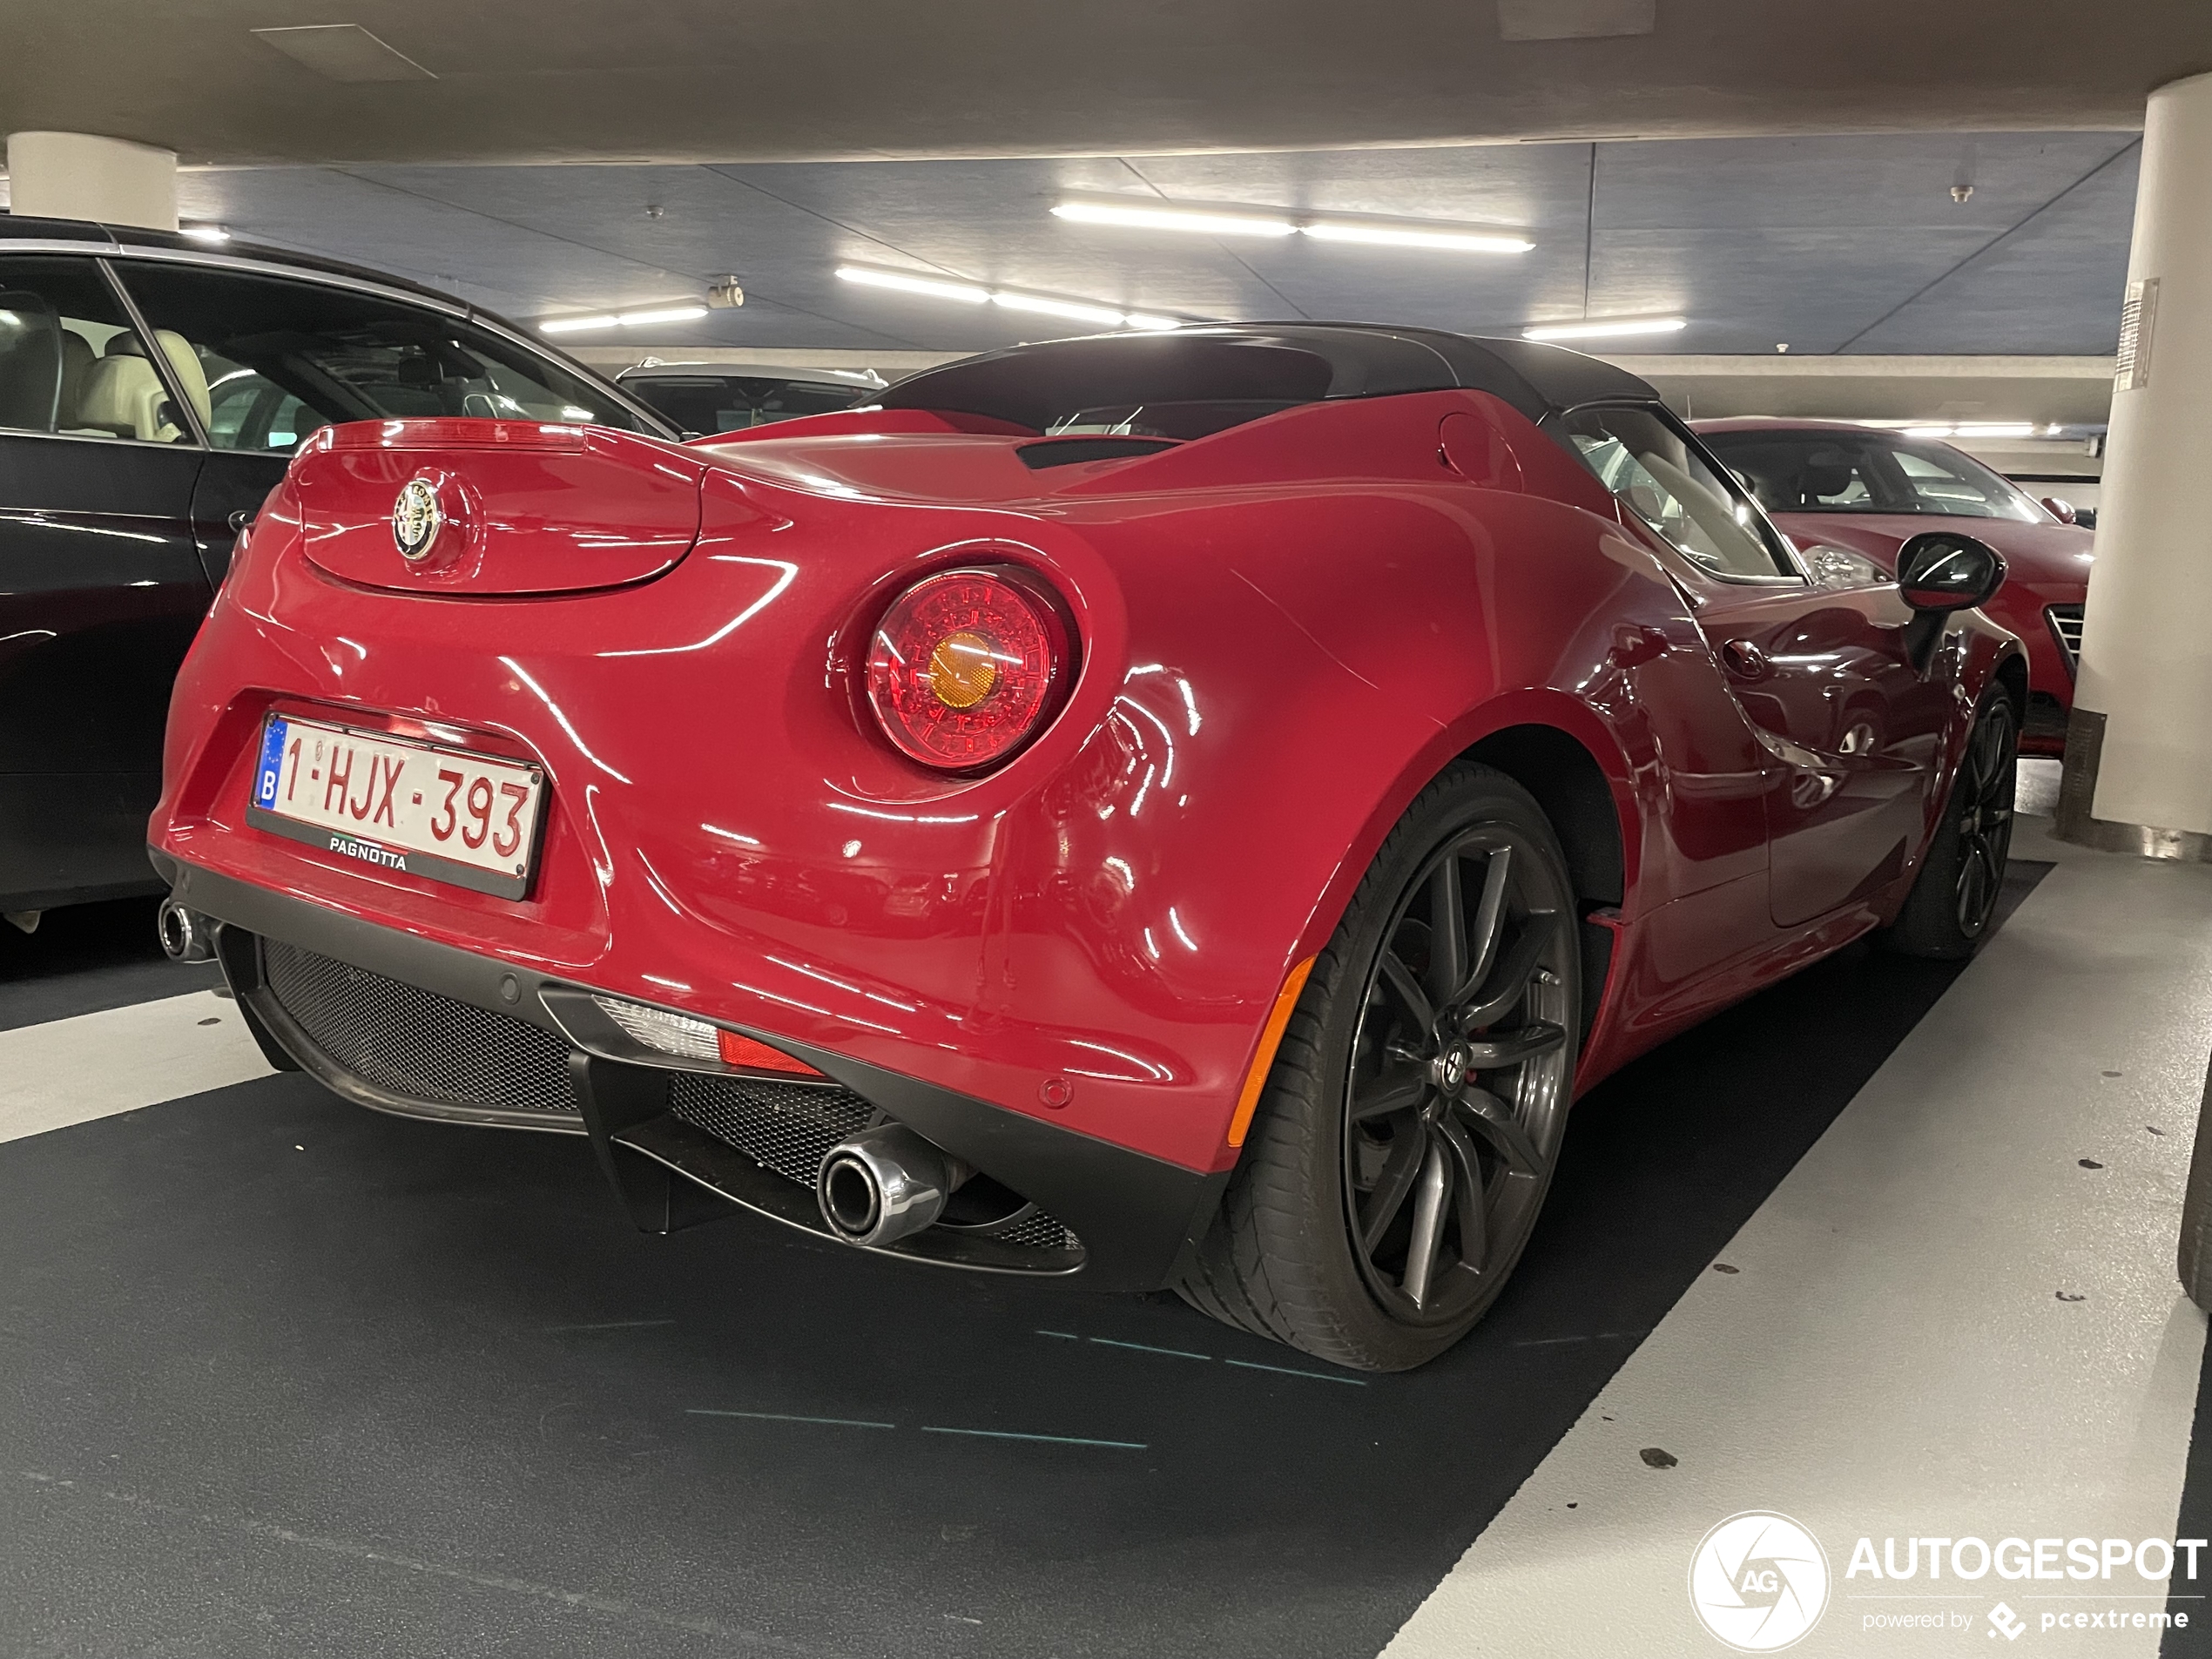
[(1036, 1231), (789, 1128), (414, 1043), (786, 1127)]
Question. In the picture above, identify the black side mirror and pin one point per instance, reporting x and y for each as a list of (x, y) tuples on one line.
[(1940, 572)]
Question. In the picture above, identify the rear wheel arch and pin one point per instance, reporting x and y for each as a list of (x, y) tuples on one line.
[(1578, 799)]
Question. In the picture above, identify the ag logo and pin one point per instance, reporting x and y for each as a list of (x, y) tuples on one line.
[(1758, 1582), (415, 518)]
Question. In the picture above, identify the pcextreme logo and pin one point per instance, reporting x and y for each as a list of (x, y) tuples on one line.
[(1758, 1582)]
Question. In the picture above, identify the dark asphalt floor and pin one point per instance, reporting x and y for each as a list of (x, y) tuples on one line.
[(281, 1376)]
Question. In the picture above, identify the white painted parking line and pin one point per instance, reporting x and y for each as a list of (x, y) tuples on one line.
[(1897, 1356), (95, 1065)]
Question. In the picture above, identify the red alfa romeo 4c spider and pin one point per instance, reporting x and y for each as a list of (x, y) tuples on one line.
[(1186, 809)]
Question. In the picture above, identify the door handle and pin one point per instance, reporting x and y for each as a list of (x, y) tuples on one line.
[(239, 520), (1744, 659)]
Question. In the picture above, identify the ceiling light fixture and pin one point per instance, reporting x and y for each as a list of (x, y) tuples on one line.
[(1326, 229), (971, 294), (211, 234), (1230, 221), (1204, 221), (1073, 310), (1977, 430), (622, 320), (966, 293), (1605, 328)]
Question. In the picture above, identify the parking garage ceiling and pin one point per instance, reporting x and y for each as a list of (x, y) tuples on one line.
[(239, 82), (1826, 244)]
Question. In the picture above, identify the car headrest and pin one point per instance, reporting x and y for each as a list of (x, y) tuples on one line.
[(78, 357), (124, 397), (183, 362), (191, 375), (1826, 472)]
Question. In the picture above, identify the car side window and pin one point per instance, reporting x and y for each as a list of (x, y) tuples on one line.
[(71, 364), (283, 358), (1658, 474)]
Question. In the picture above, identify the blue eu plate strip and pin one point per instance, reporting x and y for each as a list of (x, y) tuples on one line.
[(272, 767)]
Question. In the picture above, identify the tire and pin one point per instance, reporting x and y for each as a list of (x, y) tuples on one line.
[(1947, 913), (1406, 1134), (2194, 1259)]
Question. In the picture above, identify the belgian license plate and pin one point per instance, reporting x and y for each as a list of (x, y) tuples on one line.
[(415, 808)]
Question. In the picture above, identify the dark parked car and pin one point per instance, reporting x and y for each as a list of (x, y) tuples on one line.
[(705, 398), (152, 391)]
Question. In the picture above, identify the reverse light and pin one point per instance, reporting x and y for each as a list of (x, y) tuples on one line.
[(966, 667), (685, 1038)]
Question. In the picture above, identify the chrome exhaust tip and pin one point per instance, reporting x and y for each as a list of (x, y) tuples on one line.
[(884, 1185), (187, 936)]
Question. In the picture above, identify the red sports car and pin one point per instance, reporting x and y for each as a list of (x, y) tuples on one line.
[(1867, 491), (1186, 809)]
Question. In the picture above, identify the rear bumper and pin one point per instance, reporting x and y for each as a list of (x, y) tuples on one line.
[(313, 982)]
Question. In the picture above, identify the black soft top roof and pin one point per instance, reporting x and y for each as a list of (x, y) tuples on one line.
[(1302, 362)]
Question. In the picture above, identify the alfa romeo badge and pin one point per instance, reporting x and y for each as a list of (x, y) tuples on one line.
[(416, 519)]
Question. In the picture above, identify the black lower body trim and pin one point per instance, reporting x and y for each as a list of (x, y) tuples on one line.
[(1135, 1216)]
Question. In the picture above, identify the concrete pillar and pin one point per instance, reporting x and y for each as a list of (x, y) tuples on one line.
[(75, 175), (2138, 773)]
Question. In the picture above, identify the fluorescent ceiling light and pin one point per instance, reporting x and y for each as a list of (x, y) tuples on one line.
[(1413, 236), (971, 294), (1598, 328), (622, 320), (209, 234), (1978, 429), (1204, 221), (665, 313), (966, 292), (1222, 221), (1072, 309)]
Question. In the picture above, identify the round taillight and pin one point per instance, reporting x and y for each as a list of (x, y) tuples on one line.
[(966, 666)]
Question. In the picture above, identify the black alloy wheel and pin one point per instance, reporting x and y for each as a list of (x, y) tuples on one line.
[(1946, 915), (1989, 779), (1457, 1075), (1408, 1130)]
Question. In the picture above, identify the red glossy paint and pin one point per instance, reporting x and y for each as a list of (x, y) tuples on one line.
[(1285, 630), (2046, 564)]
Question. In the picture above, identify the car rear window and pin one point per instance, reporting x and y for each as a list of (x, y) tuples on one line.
[(713, 403), (1182, 385)]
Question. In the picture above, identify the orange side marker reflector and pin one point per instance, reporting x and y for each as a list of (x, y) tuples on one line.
[(743, 1051), (1271, 1037)]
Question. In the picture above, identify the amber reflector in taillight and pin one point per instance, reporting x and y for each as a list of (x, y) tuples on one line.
[(966, 666)]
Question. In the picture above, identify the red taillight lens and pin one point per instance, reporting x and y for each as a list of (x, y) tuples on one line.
[(744, 1051), (966, 666)]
